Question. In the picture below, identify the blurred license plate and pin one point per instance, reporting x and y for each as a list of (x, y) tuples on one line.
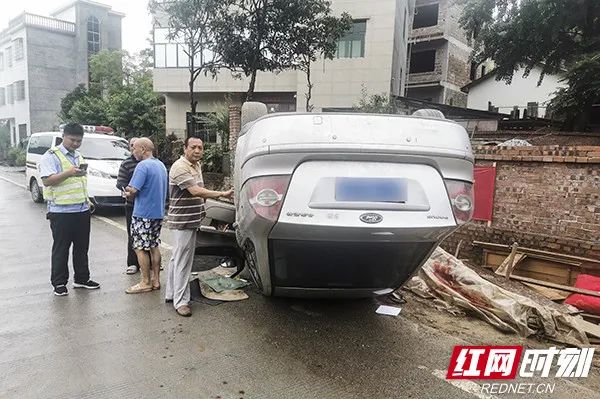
[(354, 189)]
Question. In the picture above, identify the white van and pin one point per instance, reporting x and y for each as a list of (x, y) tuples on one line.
[(103, 153)]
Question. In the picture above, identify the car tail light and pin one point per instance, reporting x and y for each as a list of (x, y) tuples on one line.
[(461, 198), (266, 193)]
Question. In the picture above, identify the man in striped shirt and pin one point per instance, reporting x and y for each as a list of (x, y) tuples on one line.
[(186, 210)]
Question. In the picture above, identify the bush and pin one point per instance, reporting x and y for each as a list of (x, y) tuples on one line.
[(16, 156), (212, 161)]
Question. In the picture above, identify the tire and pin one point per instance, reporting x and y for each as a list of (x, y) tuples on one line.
[(36, 192)]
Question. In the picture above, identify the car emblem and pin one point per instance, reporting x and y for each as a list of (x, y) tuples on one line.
[(371, 218)]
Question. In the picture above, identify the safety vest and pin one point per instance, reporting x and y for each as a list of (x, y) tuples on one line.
[(70, 191)]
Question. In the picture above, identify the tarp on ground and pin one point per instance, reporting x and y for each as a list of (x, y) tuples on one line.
[(446, 278)]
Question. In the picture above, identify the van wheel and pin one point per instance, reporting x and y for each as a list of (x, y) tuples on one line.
[(36, 191)]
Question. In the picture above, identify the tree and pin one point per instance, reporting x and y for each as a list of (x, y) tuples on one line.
[(582, 92), (129, 105), (191, 24), (106, 72), (252, 37), (69, 100), (515, 34), (314, 34), (375, 103)]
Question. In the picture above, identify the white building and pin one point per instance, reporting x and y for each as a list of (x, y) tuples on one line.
[(487, 93), (373, 55), (44, 58)]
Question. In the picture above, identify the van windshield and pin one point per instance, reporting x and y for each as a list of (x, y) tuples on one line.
[(114, 149)]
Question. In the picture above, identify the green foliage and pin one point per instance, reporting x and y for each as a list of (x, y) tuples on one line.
[(66, 104), (121, 96), (583, 90), (212, 160), (375, 103), (16, 156), (106, 72), (516, 34), (4, 140)]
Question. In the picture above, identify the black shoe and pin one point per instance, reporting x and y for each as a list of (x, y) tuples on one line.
[(90, 285), (168, 301), (61, 290)]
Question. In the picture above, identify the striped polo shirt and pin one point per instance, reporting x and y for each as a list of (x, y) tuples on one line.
[(185, 210)]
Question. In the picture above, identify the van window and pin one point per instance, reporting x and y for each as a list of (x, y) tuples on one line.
[(39, 144)]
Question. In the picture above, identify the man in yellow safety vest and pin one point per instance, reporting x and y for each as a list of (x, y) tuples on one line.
[(63, 172)]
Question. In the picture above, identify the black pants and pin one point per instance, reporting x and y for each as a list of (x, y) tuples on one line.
[(67, 229), (131, 256)]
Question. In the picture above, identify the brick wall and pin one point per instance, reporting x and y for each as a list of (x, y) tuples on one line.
[(546, 197)]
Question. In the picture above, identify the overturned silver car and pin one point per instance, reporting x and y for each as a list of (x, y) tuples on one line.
[(344, 205)]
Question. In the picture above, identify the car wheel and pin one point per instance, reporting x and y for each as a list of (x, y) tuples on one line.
[(36, 191)]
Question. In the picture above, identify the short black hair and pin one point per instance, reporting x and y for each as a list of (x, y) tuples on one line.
[(187, 140), (73, 129)]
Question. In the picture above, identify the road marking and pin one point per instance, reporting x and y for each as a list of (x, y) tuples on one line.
[(121, 227), (102, 218), (13, 182), (465, 385)]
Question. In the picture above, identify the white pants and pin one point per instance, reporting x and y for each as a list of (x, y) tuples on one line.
[(180, 267)]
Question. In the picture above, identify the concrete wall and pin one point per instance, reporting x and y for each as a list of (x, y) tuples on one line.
[(18, 112), (546, 198), (53, 71), (519, 92)]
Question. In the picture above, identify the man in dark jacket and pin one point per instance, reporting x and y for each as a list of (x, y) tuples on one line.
[(125, 173)]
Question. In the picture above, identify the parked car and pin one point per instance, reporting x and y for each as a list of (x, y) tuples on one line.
[(343, 205), (103, 153)]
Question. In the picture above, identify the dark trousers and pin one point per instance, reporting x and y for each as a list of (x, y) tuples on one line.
[(131, 256), (67, 229)]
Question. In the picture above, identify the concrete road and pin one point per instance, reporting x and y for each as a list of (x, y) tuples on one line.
[(106, 344)]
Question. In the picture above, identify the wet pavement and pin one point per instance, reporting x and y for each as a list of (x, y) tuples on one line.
[(106, 344)]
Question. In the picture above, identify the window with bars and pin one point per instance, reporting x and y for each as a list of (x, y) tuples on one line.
[(172, 53), (2, 96), (93, 35), (19, 48), (20, 90), (352, 44)]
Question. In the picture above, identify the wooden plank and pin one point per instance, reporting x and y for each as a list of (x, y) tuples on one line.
[(533, 251), (493, 259), (550, 293), (556, 286), (502, 269), (589, 328), (542, 277)]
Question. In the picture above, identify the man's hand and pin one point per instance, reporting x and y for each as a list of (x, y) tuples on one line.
[(129, 192), (227, 194)]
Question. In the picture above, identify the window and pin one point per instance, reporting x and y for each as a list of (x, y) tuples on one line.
[(426, 16), (1, 61), (39, 144), (422, 61), (2, 96), (352, 45), (19, 51), (9, 57), (10, 98), (20, 90), (93, 35), (201, 128), (22, 132), (171, 53)]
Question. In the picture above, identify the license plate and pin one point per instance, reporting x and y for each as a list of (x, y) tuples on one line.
[(355, 189)]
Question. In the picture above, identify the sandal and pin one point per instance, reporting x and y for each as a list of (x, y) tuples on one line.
[(132, 269), (156, 286), (138, 289)]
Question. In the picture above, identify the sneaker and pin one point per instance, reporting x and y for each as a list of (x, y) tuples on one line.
[(132, 269), (61, 290), (90, 285)]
